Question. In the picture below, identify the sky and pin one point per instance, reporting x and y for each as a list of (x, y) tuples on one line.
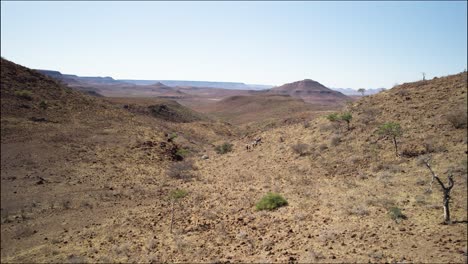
[(365, 44)]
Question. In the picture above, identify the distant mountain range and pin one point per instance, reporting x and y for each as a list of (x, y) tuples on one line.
[(350, 91), (206, 84), (80, 80)]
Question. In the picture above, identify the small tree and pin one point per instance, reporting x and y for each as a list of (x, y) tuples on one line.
[(362, 91), (391, 130), (335, 117), (446, 189), (347, 118), (175, 196)]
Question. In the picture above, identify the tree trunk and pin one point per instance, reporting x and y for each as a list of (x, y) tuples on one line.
[(396, 146), (172, 215), (446, 208)]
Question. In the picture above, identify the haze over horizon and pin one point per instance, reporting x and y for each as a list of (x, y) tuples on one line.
[(339, 44)]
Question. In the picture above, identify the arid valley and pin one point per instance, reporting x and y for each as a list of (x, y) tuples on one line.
[(234, 132), (88, 179)]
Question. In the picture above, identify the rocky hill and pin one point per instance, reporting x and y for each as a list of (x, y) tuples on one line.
[(311, 91)]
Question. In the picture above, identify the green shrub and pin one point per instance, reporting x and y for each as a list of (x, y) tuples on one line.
[(224, 148), (171, 137), (177, 194), (396, 214), (182, 152), (332, 117), (271, 201), (24, 94), (43, 105), (347, 118)]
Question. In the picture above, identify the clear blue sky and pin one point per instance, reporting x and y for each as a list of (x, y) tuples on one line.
[(340, 44)]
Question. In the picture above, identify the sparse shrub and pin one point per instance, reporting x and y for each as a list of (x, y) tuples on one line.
[(301, 149), (224, 148), (72, 259), (171, 137), (429, 146), (396, 214), (420, 199), (323, 147), (391, 130), (182, 152), (181, 170), (368, 115), (335, 140), (412, 150), (458, 118), (347, 118), (271, 201), (175, 196), (43, 105), (362, 176), (332, 117), (382, 202), (421, 182), (403, 92), (66, 204), (359, 210), (24, 94), (354, 160), (385, 177)]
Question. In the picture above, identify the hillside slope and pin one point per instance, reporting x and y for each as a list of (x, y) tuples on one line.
[(72, 164), (340, 191)]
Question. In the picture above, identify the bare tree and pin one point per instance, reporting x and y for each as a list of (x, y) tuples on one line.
[(362, 91), (446, 189), (424, 76)]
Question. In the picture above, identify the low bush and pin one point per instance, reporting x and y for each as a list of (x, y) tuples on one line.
[(43, 105), (359, 210), (396, 214), (335, 140), (24, 94), (332, 117), (183, 153), (458, 118), (171, 137), (224, 148), (181, 170), (301, 149), (271, 201)]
